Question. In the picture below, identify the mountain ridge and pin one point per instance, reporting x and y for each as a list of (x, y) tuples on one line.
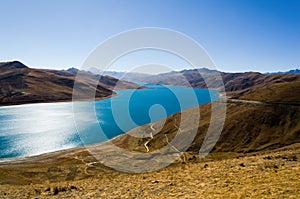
[(236, 84), (293, 71), (20, 84)]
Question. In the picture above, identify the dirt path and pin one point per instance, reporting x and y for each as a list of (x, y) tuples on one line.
[(264, 103)]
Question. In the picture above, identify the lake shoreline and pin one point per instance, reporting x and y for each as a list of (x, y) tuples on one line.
[(55, 125), (56, 101), (53, 154)]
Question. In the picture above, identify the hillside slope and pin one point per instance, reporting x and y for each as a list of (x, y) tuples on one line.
[(262, 127), (286, 92), (20, 84)]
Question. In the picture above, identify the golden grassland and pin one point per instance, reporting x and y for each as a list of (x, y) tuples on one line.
[(273, 174)]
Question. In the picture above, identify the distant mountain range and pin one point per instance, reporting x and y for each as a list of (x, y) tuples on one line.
[(20, 84), (295, 71), (236, 84)]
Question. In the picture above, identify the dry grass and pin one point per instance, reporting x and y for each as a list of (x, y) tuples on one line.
[(268, 175)]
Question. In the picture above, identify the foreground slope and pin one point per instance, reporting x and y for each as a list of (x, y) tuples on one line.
[(265, 175)]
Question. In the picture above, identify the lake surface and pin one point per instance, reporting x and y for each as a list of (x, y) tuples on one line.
[(32, 129)]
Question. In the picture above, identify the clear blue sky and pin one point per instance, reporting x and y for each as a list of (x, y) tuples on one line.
[(239, 35)]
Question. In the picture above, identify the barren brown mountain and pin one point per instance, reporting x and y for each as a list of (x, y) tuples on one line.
[(20, 84), (236, 84)]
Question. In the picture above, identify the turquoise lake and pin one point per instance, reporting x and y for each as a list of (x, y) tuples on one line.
[(33, 129)]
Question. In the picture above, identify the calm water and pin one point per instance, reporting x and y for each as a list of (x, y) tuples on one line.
[(33, 129)]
